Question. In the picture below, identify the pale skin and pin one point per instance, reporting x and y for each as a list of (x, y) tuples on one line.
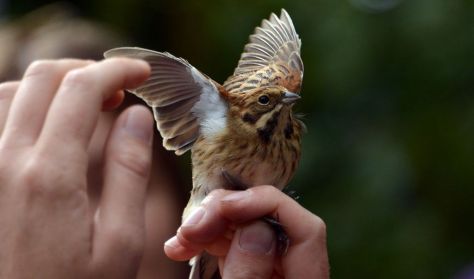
[(252, 254), (47, 229)]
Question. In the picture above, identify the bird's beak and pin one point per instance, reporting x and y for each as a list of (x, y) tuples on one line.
[(290, 98)]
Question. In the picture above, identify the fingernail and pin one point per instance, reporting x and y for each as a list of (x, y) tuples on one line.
[(257, 238), (194, 218), (236, 196), (172, 242), (137, 125)]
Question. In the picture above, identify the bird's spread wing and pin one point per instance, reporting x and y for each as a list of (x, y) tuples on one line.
[(183, 99), (272, 57)]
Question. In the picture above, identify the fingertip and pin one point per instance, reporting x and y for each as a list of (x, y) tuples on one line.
[(257, 238), (143, 66), (139, 68), (176, 251), (204, 223), (138, 122), (172, 243), (252, 253)]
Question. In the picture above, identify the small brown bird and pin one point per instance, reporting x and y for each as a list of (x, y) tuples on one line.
[(242, 133)]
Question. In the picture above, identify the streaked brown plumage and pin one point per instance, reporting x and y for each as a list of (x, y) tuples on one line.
[(243, 129)]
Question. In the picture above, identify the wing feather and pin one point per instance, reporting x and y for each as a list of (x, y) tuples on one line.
[(179, 95), (271, 56)]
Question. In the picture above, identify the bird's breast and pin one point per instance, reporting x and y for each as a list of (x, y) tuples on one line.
[(250, 160)]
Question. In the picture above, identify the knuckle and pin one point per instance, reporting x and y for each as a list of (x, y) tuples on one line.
[(319, 227), (42, 179), (265, 190), (218, 193), (77, 77), (320, 223), (214, 196), (40, 67), (34, 178)]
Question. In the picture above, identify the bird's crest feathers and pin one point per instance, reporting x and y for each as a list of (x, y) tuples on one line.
[(272, 57)]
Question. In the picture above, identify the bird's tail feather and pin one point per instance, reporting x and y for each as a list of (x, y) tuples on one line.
[(204, 266)]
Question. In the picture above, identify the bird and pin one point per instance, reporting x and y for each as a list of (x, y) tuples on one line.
[(242, 133)]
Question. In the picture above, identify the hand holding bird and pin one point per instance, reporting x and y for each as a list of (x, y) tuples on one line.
[(251, 252)]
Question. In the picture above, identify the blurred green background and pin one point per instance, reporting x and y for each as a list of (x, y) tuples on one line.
[(388, 160)]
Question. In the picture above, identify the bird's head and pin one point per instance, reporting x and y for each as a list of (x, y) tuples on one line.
[(264, 109)]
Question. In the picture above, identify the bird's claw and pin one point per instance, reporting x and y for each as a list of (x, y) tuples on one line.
[(283, 241)]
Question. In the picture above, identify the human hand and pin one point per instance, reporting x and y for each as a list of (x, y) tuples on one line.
[(46, 226), (245, 247)]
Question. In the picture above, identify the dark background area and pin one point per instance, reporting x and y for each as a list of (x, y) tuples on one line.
[(388, 160)]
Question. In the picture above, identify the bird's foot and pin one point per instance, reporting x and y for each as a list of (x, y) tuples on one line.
[(291, 193)]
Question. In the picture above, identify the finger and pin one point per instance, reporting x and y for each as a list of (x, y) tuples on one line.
[(200, 230), (307, 253), (203, 225), (74, 111), (252, 253), (33, 98), (180, 249), (220, 246), (120, 224), (113, 102), (175, 250), (7, 91), (267, 200)]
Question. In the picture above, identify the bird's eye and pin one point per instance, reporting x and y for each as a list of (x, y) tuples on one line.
[(263, 100)]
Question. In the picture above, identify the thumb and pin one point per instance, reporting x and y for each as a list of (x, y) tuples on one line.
[(252, 252)]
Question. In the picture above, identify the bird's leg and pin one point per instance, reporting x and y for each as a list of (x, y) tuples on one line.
[(283, 242)]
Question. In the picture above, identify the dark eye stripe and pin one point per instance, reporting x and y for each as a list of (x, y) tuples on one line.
[(252, 119), (289, 129), (266, 132)]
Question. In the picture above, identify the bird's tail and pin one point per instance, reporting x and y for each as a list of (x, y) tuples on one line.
[(204, 266)]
